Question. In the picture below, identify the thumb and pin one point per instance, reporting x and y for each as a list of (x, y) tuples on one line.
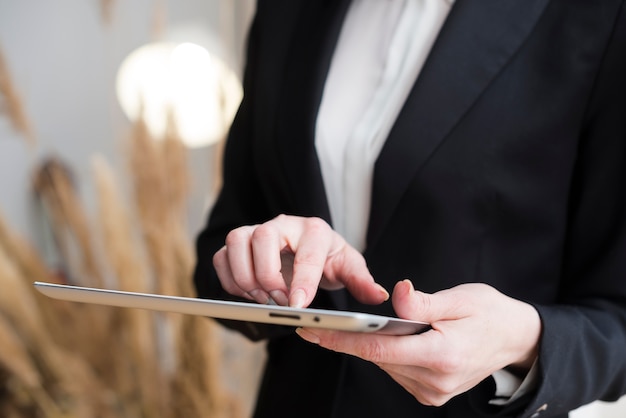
[(419, 306)]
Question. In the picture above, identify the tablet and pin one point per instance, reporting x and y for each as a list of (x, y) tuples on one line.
[(239, 311)]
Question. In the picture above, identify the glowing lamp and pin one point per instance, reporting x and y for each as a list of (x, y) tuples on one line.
[(198, 88)]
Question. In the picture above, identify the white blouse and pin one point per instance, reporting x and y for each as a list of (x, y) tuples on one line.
[(380, 52)]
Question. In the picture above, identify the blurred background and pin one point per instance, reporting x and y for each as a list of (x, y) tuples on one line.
[(64, 59), (112, 121)]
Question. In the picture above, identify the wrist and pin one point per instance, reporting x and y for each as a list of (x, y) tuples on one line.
[(528, 345)]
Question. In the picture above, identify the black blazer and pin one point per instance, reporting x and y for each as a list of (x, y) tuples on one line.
[(507, 165)]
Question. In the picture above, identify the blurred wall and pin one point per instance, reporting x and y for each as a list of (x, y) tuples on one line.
[(63, 56)]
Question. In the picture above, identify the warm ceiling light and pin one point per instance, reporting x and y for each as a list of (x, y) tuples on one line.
[(201, 91)]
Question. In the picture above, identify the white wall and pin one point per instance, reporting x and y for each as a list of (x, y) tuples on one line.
[(63, 58)]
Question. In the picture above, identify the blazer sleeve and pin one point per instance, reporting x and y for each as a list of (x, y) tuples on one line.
[(583, 345)]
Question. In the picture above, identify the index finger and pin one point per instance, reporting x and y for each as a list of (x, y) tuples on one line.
[(310, 254)]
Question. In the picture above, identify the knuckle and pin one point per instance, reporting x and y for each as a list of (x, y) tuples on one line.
[(281, 218), (423, 301), (307, 258), (237, 236), (269, 280), (436, 400), (219, 258), (372, 351), (448, 358), (450, 363), (444, 387), (316, 225), (232, 288), (263, 233)]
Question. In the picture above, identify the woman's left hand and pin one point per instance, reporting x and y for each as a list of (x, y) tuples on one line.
[(476, 330)]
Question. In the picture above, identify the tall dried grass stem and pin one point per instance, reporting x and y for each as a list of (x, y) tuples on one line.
[(53, 183), (14, 356), (11, 103), (17, 303), (123, 254), (106, 10)]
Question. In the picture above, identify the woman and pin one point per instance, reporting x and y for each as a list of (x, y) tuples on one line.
[(467, 157)]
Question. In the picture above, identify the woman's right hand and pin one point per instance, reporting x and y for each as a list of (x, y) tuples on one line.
[(288, 258)]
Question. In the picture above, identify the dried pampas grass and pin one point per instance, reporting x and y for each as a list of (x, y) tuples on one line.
[(159, 19), (73, 234), (22, 253), (177, 187), (45, 368), (149, 181), (124, 255), (14, 357), (11, 103), (173, 155), (82, 360), (161, 185), (31, 268), (17, 303), (106, 10), (150, 203), (122, 247), (55, 187)]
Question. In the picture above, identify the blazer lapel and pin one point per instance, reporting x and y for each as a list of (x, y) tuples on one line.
[(477, 40), (309, 60)]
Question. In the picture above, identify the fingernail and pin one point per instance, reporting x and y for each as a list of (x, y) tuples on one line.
[(260, 296), (297, 299), (308, 335), (384, 292), (279, 297), (410, 288)]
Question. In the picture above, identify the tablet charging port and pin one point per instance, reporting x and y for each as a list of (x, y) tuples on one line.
[(284, 315)]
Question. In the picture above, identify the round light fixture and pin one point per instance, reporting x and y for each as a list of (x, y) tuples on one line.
[(199, 89)]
